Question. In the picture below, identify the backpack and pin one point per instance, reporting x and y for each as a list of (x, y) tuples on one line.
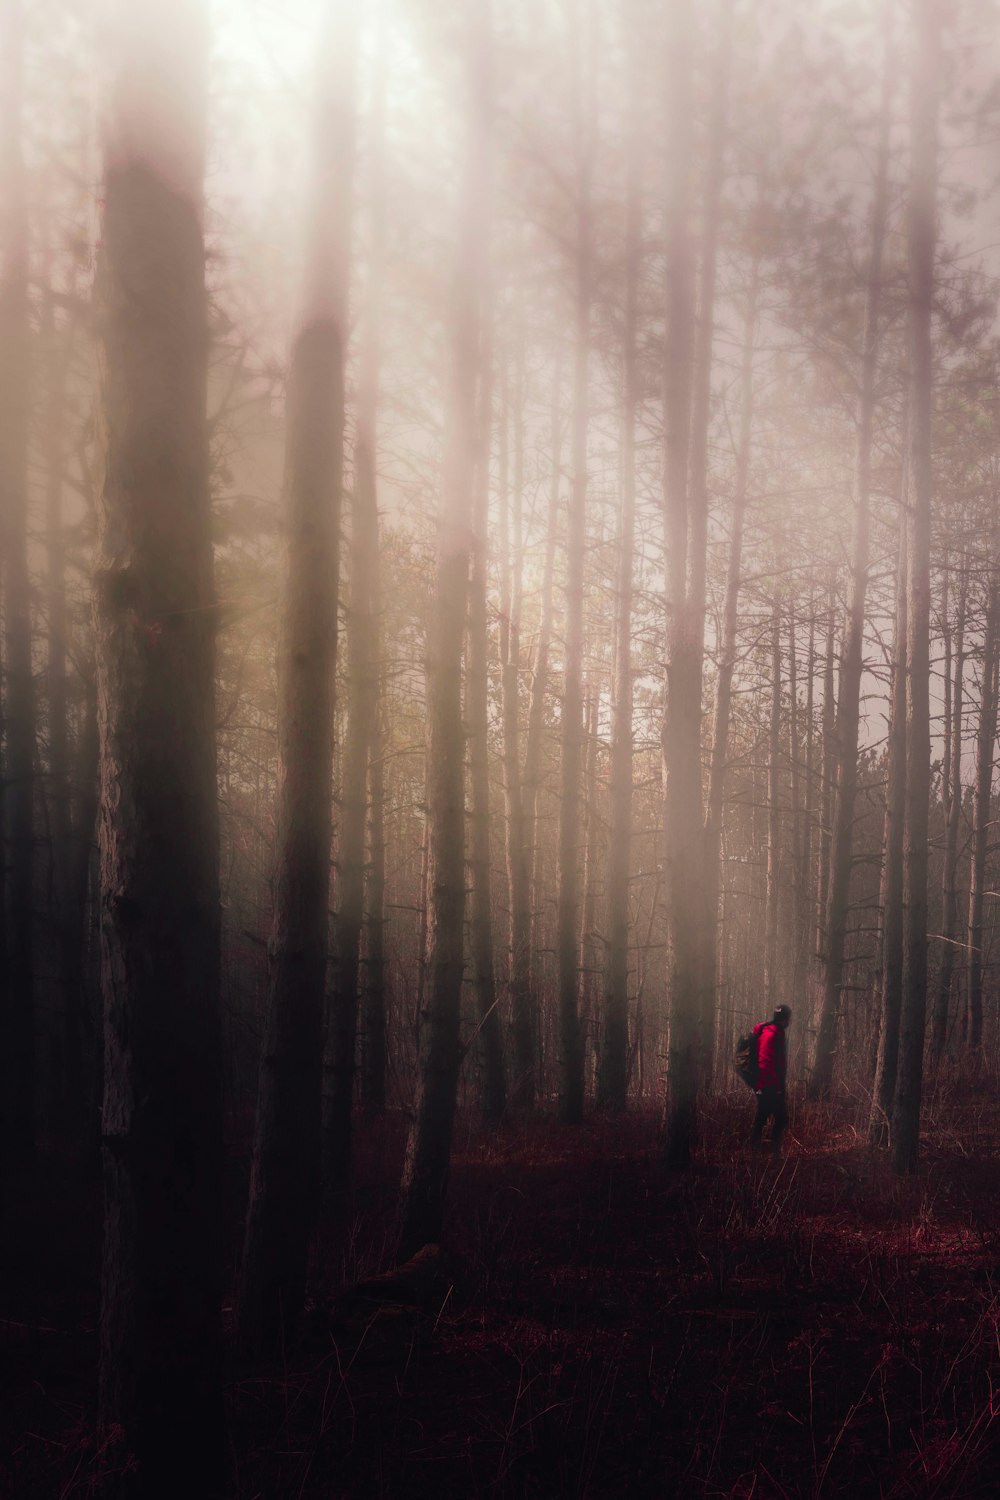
[(745, 1060)]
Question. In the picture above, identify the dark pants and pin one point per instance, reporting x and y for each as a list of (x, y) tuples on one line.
[(770, 1105)]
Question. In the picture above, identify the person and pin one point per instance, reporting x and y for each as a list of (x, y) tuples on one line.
[(772, 1072)]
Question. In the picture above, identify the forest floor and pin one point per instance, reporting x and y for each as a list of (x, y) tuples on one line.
[(596, 1326)]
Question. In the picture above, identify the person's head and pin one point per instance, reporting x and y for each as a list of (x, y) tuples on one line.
[(782, 1016)]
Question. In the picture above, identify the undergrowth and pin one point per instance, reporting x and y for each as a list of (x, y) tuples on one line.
[(809, 1328)]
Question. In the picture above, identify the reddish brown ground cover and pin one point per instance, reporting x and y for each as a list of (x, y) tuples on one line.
[(596, 1327)]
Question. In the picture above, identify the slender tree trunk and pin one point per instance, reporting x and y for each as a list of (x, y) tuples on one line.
[(952, 790), (571, 1082), (727, 658), (18, 1043), (592, 862), (531, 778), (285, 1173), (771, 979), (828, 772), (921, 235), (518, 852), (374, 1051), (805, 877), (428, 1152), (701, 407), (612, 1076), (852, 666), (985, 752), (490, 1038), (684, 856), (160, 1352), (891, 977)]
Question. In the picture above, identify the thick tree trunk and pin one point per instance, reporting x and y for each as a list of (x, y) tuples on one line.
[(362, 708), (921, 235), (340, 1026), (428, 1152), (160, 1359), (684, 533), (373, 1029), (285, 1174), (891, 976), (951, 784), (18, 1041), (985, 752), (852, 665)]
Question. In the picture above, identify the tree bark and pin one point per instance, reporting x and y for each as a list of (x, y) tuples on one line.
[(531, 779), (985, 752), (952, 797), (891, 976), (18, 1064), (571, 1081), (727, 657), (490, 1037), (285, 1173), (518, 850), (428, 1152), (828, 772), (684, 855), (374, 1036), (844, 791), (612, 1075), (921, 236), (155, 617), (772, 984)]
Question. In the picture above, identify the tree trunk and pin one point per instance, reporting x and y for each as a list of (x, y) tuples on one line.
[(285, 1173), (18, 1063), (771, 980), (612, 1076), (490, 1036), (571, 726), (592, 862), (428, 1152), (828, 772), (532, 774), (921, 233), (160, 1353), (701, 409), (985, 742), (518, 851), (362, 708), (374, 1050), (727, 657), (891, 977), (952, 795), (844, 790), (373, 1030), (684, 855)]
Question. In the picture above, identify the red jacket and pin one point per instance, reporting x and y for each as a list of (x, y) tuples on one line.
[(772, 1059)]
